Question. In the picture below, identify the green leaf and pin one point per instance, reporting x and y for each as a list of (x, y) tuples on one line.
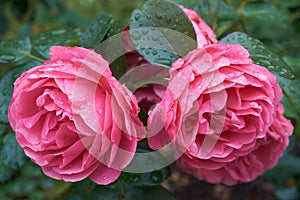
[(11, 153), (14, 50), (149, 193), (217, 12), (260, 54), (96, 31), (291, 98), (7, 86), (111, 50), (56, 37), (187, 4), (5, 172), (287, 193), (151, 178), (161, 32), (117, 190), (115, 28), (20, 187), (261, 17), (2, 128), (289, 3), (286, 168)]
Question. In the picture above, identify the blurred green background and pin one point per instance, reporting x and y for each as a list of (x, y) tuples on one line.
[(34, 16), (275, 22)]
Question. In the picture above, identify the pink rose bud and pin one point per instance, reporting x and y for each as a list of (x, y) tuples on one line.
[(74, 119), (240, 132)]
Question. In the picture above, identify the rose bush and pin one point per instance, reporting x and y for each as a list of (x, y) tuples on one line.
[(241, 129), (73, 118)]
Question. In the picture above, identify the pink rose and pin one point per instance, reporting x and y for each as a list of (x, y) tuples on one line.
[(74, 119), (240, 131)]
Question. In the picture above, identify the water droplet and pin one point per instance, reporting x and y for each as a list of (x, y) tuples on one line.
[(105, 177), (163, 61), (148, 16), (154, 39), (7, 57), (154, 53), (157, 3), (271, 67), (147, 52), (292, 76), (135, 35), (156, 176), (174, 26), (159, 16), (58, 32), (137, 16), (177, 21), (283, 72), (134, 179), (241, 40), (144, 31), (149, 161)]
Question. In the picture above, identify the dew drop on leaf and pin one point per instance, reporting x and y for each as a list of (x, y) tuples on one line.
[(7, 57), (137, 16), (163, 61), (58, 32), (159, 16), (135, 35)]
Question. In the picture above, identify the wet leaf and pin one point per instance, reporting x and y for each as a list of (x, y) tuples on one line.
[(151, 178), (287, 193), (56, 37), (291, 98), (14, 50), (115, 28), (161, 32), (261, 17), (5, 172), (96, 31), (11, 153), (218, 12), (260, 54), (2, 128)]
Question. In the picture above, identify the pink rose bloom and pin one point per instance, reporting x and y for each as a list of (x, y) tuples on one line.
[(240, 130), (74, 119), (149, 95)]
